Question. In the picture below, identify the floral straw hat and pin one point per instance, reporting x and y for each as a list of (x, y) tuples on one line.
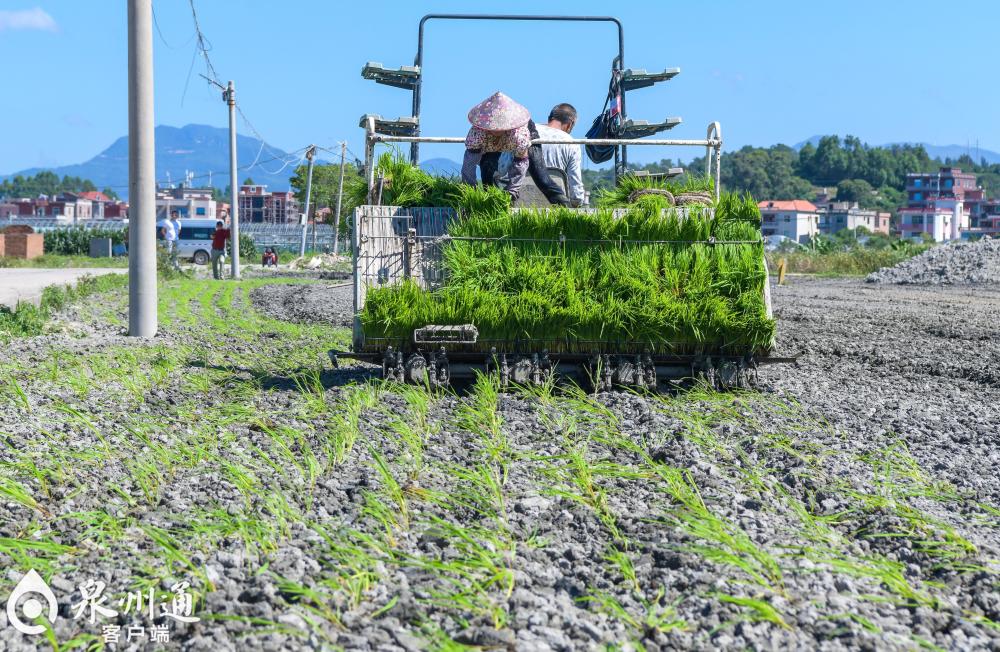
[(498, 113)]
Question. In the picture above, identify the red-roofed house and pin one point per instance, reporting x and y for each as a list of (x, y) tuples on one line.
[(796, 219), (94, 195)]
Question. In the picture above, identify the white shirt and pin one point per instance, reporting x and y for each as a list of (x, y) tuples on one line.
[(174, 232), (168, 229), (567, 158)]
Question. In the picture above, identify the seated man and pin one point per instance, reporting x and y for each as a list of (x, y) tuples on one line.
[(270, 259), (568, 158)]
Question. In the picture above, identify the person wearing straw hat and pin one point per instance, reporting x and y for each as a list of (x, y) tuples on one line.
[(499, 124)]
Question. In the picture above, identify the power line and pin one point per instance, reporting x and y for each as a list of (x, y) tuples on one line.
[(160, 33), (286, 160), (203, 45)]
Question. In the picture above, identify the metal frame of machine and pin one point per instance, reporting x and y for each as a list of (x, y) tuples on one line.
[(392, 243), (411, 78)]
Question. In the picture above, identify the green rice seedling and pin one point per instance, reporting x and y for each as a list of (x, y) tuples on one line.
[(467, 592), (725, 542), (480, 489), (866, 624), (480, 415), (81, 419), (146, 475), (33, 550), (354, 559), (403, 185), (756, 609), (174, 554), (629, 183), (344, 428), (983, 620), (391, 487), (307, 597), (14, 491), (924, 644), (102, 527), (657, 616), (657, 281), (242, 477), (888, 573), (53, 471), (81, 641), (312, 391), (260, 625), (16, 394), (413, 428), (578, 473), (620, 560), (439, 641)]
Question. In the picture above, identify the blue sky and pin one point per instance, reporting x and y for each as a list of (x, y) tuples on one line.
[(770, 71)]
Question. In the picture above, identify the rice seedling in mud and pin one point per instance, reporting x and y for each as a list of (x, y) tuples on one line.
[(652, 278), (755, 609), (345, 423), (714, 538), (480, 415), (657, 614)]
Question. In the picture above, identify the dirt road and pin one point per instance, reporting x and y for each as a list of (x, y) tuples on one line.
[(25, 284)]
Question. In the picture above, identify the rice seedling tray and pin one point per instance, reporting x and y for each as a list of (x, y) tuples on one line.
[(632, 293)]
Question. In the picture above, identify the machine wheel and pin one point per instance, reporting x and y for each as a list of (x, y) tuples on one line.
[(201, 257)]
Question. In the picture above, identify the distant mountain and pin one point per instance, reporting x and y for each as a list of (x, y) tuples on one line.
[(954, 151), (941, 152), (199, 149), (442, 167)]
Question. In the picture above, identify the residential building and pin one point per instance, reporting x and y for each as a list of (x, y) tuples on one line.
[(259, 205), (839, 215), (44, 207), (188, 202), (984, 219), (98, 200), (69, 207), (942, 220), (947, 183), (796, 219), (940, 204), (116, 210)]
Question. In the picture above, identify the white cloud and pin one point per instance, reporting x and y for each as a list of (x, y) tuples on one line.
[(35, 18)]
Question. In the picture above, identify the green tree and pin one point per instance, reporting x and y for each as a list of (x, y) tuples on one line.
[(853, 190), (326, 182), (248, 182), (110, 194)]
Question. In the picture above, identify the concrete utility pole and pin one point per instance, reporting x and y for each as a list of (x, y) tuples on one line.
[(141, 172), (229, 95), (310, 153), (340, 198)]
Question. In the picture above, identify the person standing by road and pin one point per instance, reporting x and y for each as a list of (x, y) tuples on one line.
[(219, 238), (172, 235)]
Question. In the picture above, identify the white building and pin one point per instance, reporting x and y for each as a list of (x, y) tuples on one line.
[(796, 219), (188, 202), (942, 219)]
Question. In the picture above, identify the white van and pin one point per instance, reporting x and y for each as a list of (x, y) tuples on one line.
[(195, 242)]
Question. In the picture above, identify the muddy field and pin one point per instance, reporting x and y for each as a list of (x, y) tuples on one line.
[(852, 503)]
